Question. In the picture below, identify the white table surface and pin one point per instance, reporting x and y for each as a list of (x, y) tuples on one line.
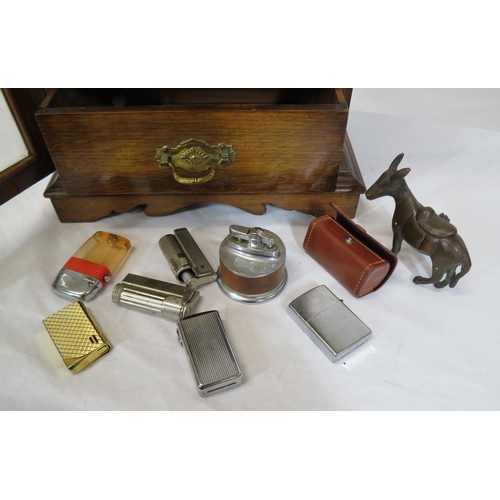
[(431, 349)]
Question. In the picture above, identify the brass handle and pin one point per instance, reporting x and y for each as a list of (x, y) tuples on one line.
[(195, 157)]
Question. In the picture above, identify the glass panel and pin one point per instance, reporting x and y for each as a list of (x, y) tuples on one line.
[(12, 146)]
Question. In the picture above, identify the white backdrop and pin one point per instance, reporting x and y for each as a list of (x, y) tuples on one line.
[(431, 349)]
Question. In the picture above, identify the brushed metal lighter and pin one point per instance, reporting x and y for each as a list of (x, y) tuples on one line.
[(328, 322), (187, 261), (169, 300), (210, 354)]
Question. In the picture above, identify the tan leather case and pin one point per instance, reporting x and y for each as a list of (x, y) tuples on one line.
[(354, 258)]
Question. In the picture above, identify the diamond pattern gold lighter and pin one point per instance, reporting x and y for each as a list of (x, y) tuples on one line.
[(76, 336)]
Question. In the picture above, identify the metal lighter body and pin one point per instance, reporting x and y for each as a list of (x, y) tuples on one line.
[(210, 354), (186, 260), (76, 336), (143, 294), (328, 322), (252, 264), (91, 266)]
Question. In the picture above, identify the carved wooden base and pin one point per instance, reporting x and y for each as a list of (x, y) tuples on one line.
[(89, 208)]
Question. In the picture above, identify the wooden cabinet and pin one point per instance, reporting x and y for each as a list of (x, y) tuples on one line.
[(116, 149)]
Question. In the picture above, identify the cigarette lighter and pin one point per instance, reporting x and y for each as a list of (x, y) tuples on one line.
[(210, 354), (186, 260), (76, 336), (93, 264), (252, 264), (143, 294), (328, 322)]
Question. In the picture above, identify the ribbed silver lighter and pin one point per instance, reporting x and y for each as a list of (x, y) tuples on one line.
[(186, 260), (210, 354), (156, 297)]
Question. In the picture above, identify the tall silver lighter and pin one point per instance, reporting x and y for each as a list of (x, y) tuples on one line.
[(187, 261), (156, 297), (210, 354)]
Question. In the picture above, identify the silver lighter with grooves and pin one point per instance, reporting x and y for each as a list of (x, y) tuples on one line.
[(169, 300), (210, 354), (186, 260)]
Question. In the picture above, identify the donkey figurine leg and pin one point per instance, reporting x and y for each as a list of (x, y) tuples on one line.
[(397, 239), (437, 276), (422, 229)]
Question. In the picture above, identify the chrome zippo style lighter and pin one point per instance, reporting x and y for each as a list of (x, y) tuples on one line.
[(328, 322), (91, 266), (186, 260), (169, 300), (76, 336), (210, 354)]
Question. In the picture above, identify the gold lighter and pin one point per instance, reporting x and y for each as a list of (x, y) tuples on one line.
[(93, 264), (76, 336)]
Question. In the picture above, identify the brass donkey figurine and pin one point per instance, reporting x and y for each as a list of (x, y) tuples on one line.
[(423, 229)]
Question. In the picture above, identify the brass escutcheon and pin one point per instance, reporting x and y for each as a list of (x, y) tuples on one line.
[(195, 157)]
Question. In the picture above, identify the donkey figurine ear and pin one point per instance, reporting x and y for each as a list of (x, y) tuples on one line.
[(395, 163), (399, 174)]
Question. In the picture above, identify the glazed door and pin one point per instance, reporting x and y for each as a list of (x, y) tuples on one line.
[(24, 158)]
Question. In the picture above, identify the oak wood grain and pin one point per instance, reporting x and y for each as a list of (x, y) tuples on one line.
[(279, 150), (90, 208)]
